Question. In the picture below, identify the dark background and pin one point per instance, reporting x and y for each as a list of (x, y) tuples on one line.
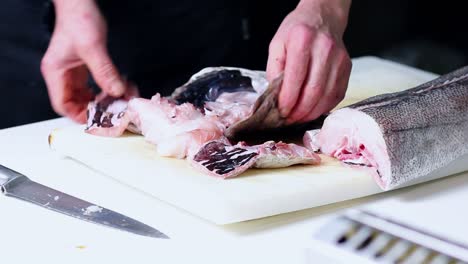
[(430, 35)]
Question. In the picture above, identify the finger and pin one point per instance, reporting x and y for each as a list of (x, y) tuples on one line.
[(66, 102), (66, 84), (76, 94), (342, 85), (335, 88), (314, 86), (104, 71), (77, 114), (295, 71), (276, 59), (132, 91)]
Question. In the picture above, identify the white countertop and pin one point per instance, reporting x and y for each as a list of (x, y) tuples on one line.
[(38, 231)]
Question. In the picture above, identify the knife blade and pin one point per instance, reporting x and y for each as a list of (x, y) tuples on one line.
[(17, 185)]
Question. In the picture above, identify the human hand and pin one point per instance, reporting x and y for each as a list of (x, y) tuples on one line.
[(78, 47), (308, 48)]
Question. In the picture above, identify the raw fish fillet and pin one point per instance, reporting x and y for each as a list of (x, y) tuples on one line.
[(175, 130)]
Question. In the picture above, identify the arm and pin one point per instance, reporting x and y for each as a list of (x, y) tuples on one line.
[(309, 49), (77, 48)]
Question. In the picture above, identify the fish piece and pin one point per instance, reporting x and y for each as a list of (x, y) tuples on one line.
[(199, 112), (279, 155), (208, 87), (264, 119), (176, 130), (231, 108), (223, 160), (241, 99), (310, 140), (399, 137), (226, 92), (107, 116), (264, 115), (196, 113)]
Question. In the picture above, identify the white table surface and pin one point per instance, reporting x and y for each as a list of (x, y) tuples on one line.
[(28, 231)]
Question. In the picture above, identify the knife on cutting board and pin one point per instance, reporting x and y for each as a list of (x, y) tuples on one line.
[(17, 185)]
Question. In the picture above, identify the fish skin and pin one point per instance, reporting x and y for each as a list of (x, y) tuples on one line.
[(265, 113), (266, 122), (222, 160), (424, 128), (208, 87)]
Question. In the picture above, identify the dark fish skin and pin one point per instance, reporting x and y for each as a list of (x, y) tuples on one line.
[(266, 122), (210, 86), (216, 160), (101, 109), (425, 128), (265, 113)]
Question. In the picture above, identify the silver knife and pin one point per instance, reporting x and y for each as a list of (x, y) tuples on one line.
[(17, 185)]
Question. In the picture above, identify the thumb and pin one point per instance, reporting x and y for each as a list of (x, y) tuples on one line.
[(104, 71)]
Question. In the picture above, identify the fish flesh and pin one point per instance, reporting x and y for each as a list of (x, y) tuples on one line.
[(197, 112), (213, 107), (402, 136), (175, 130), (223, 160)]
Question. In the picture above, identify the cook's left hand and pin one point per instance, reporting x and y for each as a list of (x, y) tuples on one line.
[(309, 50)]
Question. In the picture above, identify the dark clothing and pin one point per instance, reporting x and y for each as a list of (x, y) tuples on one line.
[(156, 44), (159, 44), (23, 41)]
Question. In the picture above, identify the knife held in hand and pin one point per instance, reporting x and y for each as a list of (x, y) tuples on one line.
[(17, 185)]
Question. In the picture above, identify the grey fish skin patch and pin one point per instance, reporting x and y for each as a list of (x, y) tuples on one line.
[(208, 87)]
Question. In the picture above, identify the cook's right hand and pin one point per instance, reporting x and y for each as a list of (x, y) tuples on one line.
[(77, 47)]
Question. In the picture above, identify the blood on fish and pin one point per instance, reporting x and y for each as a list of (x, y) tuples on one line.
[(345, 151)]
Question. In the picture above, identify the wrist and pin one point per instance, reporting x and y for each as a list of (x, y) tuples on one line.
[(330, 14), (66, 6)]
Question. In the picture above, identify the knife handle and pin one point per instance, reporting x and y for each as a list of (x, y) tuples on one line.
[(7, 175)]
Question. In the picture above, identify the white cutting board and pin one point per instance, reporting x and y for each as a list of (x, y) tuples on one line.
[(256, 193)]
